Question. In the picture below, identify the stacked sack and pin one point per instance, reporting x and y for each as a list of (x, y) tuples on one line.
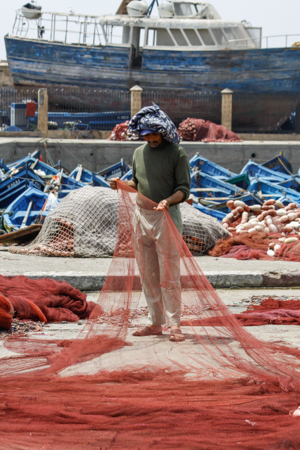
[(270, 218)]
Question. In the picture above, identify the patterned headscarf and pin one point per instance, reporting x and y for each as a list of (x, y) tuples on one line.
[(153, 118)]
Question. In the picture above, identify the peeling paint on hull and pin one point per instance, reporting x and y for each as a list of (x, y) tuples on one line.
[(260, 71)]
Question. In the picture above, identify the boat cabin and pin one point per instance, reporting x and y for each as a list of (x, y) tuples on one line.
[(182, 25)]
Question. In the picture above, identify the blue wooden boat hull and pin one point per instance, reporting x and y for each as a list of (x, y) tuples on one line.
[(210, 168), (275, 191), (35, 155), (88, 177), (259, 71), (256, 170), (127, 176), (216, 194), (13, 186), (116, 170), (202, 180), (38, 165), (211, 212), (15, 212), (279, 164)]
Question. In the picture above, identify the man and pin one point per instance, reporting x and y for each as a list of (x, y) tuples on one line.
[(161, 173)]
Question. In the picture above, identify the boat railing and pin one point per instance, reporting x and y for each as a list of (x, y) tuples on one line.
[(274, 41), (66, 28)]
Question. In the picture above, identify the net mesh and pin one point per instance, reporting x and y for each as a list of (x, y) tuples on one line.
[(85, 224), (221, 388)]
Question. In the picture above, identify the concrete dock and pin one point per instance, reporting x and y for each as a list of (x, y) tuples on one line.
[(88, 274), (97, 155)]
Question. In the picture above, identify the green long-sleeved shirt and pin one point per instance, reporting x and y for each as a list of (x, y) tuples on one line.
[(161, 171)]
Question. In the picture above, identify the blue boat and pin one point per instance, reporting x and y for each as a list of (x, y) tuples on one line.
[(198, 163), (13, 186), (189, 47), (127, 176), (68, 182), (211, 193), (270, 190), (96, 121), (116, 170), (204, 182), (279, 164), (88, 177), (211, 212), (25, 210), (219, 204), (35, 165), (35, 155), (256, 170)]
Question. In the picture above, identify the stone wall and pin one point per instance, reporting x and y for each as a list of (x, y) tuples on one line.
[(97, 155)]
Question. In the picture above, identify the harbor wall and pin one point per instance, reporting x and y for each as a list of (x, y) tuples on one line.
[(96, 155)]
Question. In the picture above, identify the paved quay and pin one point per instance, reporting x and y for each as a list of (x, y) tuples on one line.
[(158, 350), (88, 274)]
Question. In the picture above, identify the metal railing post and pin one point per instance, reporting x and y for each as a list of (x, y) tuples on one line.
[(226, 116)]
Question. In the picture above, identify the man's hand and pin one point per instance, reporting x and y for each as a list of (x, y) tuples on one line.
[(113, 183), (164, 204)]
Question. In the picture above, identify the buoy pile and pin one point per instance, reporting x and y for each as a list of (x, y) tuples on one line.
[(271, 217)]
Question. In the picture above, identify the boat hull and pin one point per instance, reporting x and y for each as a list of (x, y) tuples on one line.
[(273, 75)]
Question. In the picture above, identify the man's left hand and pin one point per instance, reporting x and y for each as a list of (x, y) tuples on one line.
[(164, 204)]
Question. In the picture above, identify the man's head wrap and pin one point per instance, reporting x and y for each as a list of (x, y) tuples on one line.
[(153, 118)]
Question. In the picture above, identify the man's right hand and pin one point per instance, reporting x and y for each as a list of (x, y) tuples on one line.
[(113, 183)]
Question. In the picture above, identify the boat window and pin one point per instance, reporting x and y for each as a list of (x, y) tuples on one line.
[(126, 35), (185, 9), (178, 36), (115, 35), (229, 33), (192, 36), (238, 33), (219, 36), (159, 37), (205, 36), (142, 37)]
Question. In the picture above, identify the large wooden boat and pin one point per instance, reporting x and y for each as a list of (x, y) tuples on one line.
[(189, 47)]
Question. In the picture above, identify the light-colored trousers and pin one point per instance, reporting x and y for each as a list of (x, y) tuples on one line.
[(158, 259)]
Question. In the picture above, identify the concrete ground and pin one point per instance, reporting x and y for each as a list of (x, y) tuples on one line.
[(236, 283), (159, 352), (89, 274)]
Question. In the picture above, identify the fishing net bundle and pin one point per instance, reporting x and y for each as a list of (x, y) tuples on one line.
[(44, 300), (220, 389), (246, 247), (206, 131), (121, 133), (85, 224)]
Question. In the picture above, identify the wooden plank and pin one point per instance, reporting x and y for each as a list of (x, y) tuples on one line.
[(24, 235)]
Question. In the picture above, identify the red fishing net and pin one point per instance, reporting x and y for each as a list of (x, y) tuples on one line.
[(244, 246), (269, 311), (45, 300), (206, 131), (220, 389), (121, 133)]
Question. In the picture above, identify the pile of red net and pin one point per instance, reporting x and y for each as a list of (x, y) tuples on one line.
[(44, 300), (206, 131), (245, 246), (121, 133), (220, 389), (272, 311), (269, 312)]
